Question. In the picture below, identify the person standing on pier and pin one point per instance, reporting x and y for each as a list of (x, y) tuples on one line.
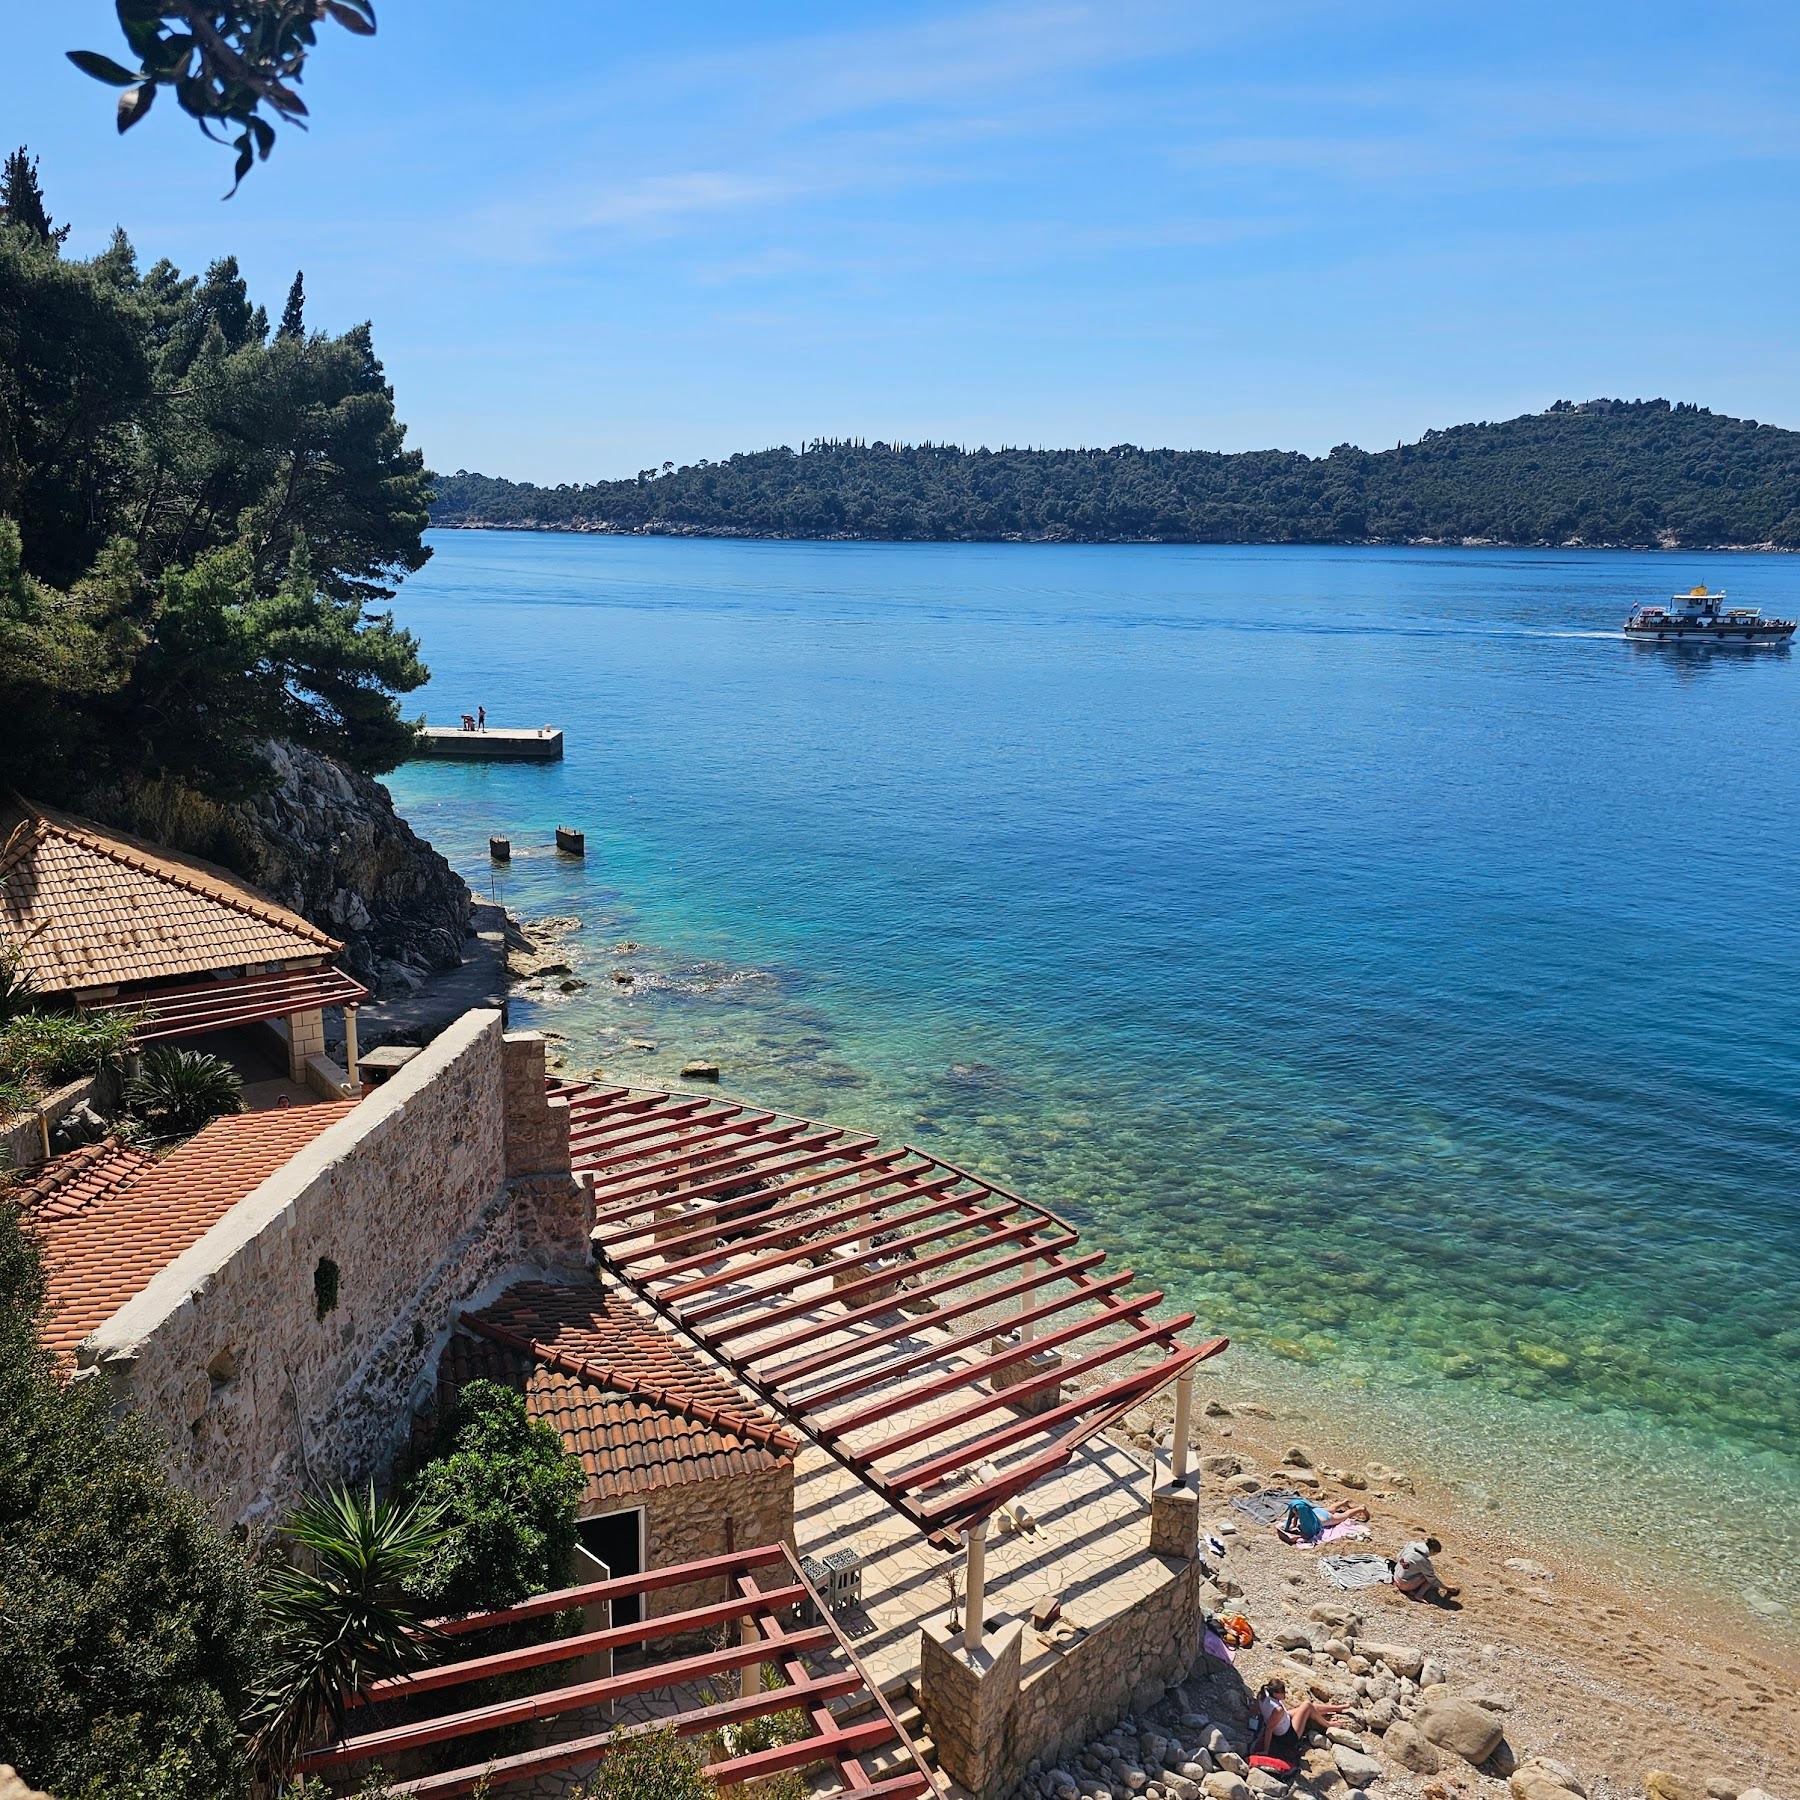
[(481, 718)]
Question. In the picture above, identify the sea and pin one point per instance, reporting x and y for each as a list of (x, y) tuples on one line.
[(1369, 946)]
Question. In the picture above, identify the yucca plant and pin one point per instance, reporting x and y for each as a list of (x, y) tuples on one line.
[(18, 992), (343, 1616), (176, 1091)]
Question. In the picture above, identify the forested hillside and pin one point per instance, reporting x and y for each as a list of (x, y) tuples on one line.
[(1604, 472)]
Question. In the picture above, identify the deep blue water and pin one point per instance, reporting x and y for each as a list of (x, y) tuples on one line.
[(1371, 945)]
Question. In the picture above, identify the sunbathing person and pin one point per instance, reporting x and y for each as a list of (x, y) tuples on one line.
[(1307, 1522), (1416, 1576), (1282, 1733)]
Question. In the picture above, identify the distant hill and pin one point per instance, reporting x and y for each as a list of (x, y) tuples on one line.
[(1617, 472)]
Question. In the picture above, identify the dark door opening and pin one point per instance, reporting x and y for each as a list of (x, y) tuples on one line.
[(618, 1540)]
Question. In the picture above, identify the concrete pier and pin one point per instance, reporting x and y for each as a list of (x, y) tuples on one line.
[(498, 743)]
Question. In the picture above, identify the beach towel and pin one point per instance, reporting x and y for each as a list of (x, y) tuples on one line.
[(1267, 1508), (1214, 1645), (1345, 1528), (1355, 1571)]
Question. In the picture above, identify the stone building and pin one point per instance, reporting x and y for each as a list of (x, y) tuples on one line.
[(680, 1466), (272, 1298), (105, 922)]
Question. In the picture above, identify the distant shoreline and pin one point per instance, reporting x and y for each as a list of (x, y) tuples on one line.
[(743, 534)]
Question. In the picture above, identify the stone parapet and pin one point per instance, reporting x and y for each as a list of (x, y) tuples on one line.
[(969, 1699), (1175, 1520)]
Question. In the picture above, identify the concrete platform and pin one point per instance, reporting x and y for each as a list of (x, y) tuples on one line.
[(496, 743)]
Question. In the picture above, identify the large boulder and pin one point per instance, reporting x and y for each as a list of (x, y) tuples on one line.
[(1221, 1785), (1410, 1750), (1355, 1767), (1461, 1727), (1659, 1784), (1403, 1659), (1539, 1778)]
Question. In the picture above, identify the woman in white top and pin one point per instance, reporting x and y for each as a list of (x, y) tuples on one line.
[(1284, 1728)]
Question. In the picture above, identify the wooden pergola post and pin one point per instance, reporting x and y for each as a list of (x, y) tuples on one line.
[(974, 1585)]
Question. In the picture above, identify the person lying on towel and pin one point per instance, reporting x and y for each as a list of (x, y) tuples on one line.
[(1307, 1522)]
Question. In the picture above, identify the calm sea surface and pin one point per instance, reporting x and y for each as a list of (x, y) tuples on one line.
[(1370, 945)]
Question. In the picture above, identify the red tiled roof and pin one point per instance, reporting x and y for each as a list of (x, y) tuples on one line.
[(111, 1222), (87, 907), (639, 1409)]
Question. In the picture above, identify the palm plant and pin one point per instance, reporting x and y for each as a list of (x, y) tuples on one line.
[(176, 1091), (343, 1617)]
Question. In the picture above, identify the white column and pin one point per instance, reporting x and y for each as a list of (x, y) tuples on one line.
[(750, 1678), (350, 1046), (1027, 1327), (975, 1586), (1184, 1409)]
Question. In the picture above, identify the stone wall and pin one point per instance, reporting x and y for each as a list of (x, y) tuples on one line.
[(709, 1518), (413, 1196)]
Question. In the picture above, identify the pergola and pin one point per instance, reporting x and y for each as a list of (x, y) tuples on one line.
[(187, 1011), (870, 1757), (896, 1309)]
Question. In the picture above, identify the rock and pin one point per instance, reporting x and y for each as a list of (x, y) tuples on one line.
[(1410, 1750), (644, 1044), (1431, 1674), (1254, 1409), (1198, 1766), (1336, 1649), (1340, 1618), (1460, 1726), (1356, 1768), (1534, 1571), (1302, 1481), (1216, 1409), (1224, 1786), (1493, 1701), (1183, 1787), (1289, 1638), (14, 1787), (1351, 1479), (1244, 1484), (1403, 1659), (1297, 1456), (1659, 1784), (1221, 1465), (1756, 1794), (700, 1071), (1216, 1743), (1231, 1763), (1541, 1779), (1136, 1780), (1347, 1740)]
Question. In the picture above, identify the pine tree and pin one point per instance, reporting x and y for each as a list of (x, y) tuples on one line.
[(22, 199), (293, 315)]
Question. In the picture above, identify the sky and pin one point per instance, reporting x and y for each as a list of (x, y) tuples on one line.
[(594, 237)]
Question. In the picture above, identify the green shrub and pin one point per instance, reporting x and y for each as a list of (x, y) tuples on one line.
[(508, 1493), (41, 1050), (177, 1091), (655, 1766), (126, 1620)]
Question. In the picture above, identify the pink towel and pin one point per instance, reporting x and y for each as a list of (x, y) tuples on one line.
[(1348, 1528), (1214, 1645)]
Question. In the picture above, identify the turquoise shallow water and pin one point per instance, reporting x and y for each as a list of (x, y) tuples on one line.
[(1369, 945)]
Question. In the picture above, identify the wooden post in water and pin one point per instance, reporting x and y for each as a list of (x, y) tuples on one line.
[(500, 849), (571, 843)]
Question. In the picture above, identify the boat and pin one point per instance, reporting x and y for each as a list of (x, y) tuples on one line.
[(1701, 617)]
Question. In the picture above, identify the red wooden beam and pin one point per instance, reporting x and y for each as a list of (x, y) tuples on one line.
[(938, 1349), (1146, 1381), (790, 1254), (504, 1770), (617, 1587), (895, 1401), (801, 1153), (662, 1170), (1024, 1390), (831, 1746), (822, 1214), (587, 1643), (395, 1739), (592, 1136), (810, 1187), (688, 1137), (775, 1315), (838, 1354), (881, 1308)]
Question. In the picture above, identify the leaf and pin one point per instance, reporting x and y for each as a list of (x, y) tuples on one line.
[(351, 20), (264, 133), (102, 68), (134, 103)]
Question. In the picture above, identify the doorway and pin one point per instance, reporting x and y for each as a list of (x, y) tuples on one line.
[(618, 1540)]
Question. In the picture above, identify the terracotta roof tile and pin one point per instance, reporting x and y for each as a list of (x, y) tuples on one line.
[(639, 1409), (111, 1218), (87, 907)]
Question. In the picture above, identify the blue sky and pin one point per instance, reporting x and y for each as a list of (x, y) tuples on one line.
[(593, 236)]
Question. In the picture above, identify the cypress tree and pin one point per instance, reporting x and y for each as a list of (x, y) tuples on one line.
[(22, 199), (293, 315)]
